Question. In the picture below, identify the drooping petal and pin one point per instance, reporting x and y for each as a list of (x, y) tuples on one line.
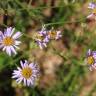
[(24, 81), (8, 50), (13, 50), (28, 82)]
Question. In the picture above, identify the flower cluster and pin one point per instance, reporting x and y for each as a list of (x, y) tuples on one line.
[(28, 73), (41, 38), (8, 40), (91, 59), (44, 36), (92, 6)]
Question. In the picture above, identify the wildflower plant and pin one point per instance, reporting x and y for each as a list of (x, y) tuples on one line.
[(28, 73), (9, 42), (44, 36), (54, 35), (91, 59), (66, 71), (41, 38)]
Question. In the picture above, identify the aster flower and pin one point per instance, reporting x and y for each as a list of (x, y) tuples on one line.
[(8, 40), (41, 38), (91, 59), (92, 6), (28, 73), (53, 34)]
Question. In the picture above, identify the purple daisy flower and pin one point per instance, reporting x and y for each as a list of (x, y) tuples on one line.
[(42, 38), (28, 73), (91, 59), (53, 34), (8, 40)]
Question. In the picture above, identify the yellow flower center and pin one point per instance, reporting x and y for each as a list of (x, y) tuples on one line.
[(27, 72), (8, 41), (94, 11), (52, 34), (90, 60), (38, 36)]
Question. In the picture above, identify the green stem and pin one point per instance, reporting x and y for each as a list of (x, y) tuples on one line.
[(65, 22)]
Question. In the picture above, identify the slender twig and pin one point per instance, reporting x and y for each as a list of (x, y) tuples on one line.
[(29, 3), (65, 22)]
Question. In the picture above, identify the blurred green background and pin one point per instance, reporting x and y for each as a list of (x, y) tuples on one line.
[(63, 71)]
